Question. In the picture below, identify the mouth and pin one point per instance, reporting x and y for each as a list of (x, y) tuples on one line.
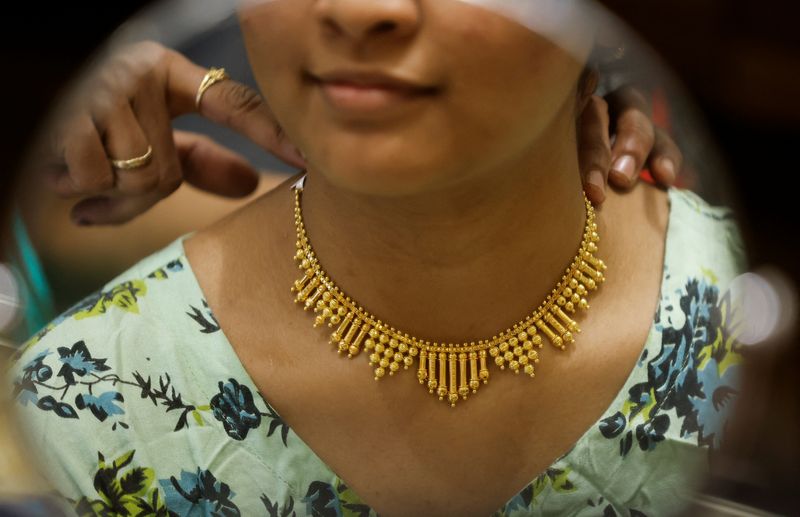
[(368, 93)]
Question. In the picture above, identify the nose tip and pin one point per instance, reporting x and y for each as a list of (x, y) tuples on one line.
[(363, 19)]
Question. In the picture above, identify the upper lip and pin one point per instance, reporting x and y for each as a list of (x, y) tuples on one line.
[(370, 78)]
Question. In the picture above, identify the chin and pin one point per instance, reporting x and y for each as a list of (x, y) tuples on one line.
[(381, 170)]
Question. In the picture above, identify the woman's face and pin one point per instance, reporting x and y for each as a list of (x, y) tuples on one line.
[(396, 97)]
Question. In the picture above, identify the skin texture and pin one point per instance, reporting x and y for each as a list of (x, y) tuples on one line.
[(451, 218)]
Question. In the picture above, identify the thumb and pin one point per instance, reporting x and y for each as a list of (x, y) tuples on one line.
[(228, 103), (214, 168)]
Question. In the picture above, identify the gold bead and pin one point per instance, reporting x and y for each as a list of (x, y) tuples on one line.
[(484, 375), (568, 337), (570, 307), (388, 353), (374, 358), (533, 355), (394, 343), (353, 350), (518, 351), (499, 360), (513, 342), (341, 311), (335, 319), (398, 357), (383, 339), (369, 344), (408, 361), (567, 292), (508, 356), (573, 284), (452, 398), (514, 365), (373, 333), (393, 367), (561, 301), (413, 352), (494, 351), (379, 348), (384, 363), (537, 340), (379, 372), (583, 304), (474, 385), (463, 391), (431, 385), (503, 346), (523, 360), (403, 348), (528, 345), (522, 336), (442, 392), (529, 370)]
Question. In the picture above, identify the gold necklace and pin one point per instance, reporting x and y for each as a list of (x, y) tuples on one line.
[(448, 370)]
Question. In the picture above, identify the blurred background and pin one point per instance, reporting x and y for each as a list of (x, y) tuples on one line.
[(740, 62)]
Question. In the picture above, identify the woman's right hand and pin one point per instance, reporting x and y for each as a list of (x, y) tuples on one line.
[(128, 105)]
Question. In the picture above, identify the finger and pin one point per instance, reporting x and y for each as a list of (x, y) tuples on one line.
[(594, 149), (231, 104), (124, 139), (154, 118), (88, 170), (634, 140), (214, 168), (665, 160), (104, 210)]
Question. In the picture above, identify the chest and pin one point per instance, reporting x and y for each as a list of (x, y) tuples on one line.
[(405, 452)]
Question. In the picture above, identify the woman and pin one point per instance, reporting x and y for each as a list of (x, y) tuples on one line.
[(442, 193)]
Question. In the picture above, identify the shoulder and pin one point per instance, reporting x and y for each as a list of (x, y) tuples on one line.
[(89, 383)]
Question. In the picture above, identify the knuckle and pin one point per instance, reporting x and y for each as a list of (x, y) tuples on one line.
[(139, 181)]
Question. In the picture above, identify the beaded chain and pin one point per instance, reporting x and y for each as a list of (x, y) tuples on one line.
[(450, 371)]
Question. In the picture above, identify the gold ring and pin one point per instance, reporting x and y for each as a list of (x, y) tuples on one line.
[(134, 163), (212, 77)]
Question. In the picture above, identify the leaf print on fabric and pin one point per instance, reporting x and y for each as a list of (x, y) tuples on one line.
[(103, 406), (235, 408), (206, 320), (78, 361), (693, 374), (124, 489), (123, 296), (276, 422), (169, 397), (554, 478), (198, 493), (274, 511)]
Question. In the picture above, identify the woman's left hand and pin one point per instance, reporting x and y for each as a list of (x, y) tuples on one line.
[(637, 143)]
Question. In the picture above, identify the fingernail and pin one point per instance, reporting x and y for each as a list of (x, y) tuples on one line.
[(626, 166), (598, 183), (667, 169)]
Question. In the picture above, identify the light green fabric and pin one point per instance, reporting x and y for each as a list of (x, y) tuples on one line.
[(135, 401)]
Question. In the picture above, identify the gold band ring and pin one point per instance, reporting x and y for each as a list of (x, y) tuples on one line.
[(134, 163), (212, 77)]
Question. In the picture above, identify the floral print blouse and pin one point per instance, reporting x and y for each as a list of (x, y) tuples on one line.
[(128, 418)]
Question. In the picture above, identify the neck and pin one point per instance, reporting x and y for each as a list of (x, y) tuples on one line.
[(460, 264)]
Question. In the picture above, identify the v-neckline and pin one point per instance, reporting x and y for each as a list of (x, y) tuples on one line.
[(244, 377)]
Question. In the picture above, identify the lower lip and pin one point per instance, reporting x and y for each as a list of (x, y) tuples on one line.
[(368, 100)]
